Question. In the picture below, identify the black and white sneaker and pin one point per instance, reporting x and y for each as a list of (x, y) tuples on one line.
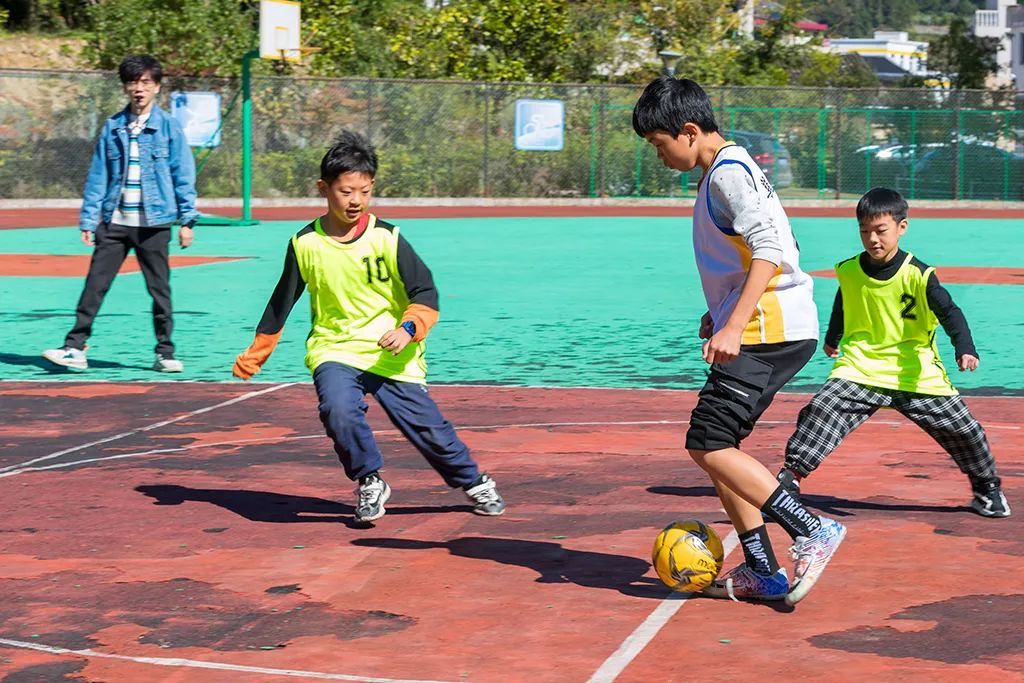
[(371, 493), (989, 500), (483, 493)]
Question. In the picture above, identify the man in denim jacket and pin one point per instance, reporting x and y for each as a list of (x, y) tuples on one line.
[(141, 180)]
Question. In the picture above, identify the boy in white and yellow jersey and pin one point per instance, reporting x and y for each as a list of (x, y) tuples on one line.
[(761, 329), (882, 333), (372, 303)]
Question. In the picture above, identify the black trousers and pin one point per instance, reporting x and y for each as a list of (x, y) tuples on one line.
[(113, 243)]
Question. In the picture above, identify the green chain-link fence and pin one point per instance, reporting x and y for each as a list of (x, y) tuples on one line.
[(455, 139)]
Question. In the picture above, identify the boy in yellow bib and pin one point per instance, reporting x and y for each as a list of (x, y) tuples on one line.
[(372, 303), (882, 333)]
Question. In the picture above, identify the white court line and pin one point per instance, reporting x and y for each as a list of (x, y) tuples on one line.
[(198, 664), (8, 472), (155, 425), (643, 634)]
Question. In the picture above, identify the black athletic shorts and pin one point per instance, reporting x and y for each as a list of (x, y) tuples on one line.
[(737, 393)]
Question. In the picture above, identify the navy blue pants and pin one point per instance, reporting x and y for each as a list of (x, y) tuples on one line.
[(342, 390)]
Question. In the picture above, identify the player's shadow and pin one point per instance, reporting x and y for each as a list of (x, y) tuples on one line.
[(829, 505), (553, 562), (278, 508), (43, 364)]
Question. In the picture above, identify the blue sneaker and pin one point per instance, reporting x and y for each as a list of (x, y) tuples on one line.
[(743, 583), (811, 555)]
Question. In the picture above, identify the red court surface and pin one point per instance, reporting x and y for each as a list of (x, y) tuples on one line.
[(49, 265), (202, 532)]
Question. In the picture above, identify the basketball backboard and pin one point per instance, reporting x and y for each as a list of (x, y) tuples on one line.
[(279, 30)]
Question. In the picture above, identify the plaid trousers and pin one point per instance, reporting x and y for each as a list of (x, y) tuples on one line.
[(841, 406)]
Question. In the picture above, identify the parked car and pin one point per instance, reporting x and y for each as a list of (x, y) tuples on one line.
[(927, 171), (768, 153), (986, 172)]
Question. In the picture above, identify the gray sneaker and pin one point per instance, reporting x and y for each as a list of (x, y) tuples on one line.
[(485, 497), (372, 493), (72, 359)]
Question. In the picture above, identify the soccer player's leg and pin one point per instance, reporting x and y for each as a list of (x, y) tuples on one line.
[(838, 408), (413, 411), (949, 421), (723, 416), (343, 413)]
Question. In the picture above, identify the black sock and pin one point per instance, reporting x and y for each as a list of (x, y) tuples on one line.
[(372, 475), (790, 514), (757, 549)]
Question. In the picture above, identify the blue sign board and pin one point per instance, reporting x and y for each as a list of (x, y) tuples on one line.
[(540, 125), (199, 115)]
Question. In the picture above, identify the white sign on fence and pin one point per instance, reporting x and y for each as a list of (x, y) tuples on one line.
[(540, 125), (199, 114)]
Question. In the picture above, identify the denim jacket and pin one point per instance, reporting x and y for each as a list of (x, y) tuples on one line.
[(167, 166)]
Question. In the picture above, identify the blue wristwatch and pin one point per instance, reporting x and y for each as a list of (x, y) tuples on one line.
[(410, 327)]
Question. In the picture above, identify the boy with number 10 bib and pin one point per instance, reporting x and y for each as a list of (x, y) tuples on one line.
[(372, 301)]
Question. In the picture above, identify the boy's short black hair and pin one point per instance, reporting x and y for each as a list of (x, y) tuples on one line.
[(669, 103), (351, 153), (134, 67), (881, 201)]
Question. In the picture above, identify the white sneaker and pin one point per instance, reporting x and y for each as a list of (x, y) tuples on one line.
[(811, 555), (165, 363), (72, 359)]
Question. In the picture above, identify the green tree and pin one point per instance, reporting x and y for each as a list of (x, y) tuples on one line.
[(701, 30), (190, 37), (356, 38), (501, 40), (963, 58)]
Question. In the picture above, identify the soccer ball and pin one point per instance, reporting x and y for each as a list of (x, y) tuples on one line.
[(687, 556)]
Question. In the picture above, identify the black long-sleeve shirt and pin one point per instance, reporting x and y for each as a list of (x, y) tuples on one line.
[(939, 300)]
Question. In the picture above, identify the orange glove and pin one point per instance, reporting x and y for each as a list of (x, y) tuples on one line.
[(250, 361), (424, 317)]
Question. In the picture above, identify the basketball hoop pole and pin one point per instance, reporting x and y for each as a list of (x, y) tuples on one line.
[(247, 136), (246, 219)]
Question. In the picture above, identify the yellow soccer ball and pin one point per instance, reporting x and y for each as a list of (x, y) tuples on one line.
[(687, 555)]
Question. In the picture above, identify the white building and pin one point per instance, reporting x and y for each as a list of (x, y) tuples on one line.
[(890, 54), (993, 22), (1015, 25)]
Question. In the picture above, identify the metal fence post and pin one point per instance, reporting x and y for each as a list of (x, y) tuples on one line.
[(487, 141), (837, 103), (957, 149), (602, 107), (369, 110)]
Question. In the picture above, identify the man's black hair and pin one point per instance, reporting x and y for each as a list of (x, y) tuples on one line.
[(134, 67), (881, 201), (351, 153), (668, 104)]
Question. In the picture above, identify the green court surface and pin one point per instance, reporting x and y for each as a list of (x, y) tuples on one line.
[(603, 302)]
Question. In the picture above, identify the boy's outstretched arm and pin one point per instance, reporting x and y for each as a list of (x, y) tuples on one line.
[(835, 327), (738, 210), (289, 289), (422, 312), (953, 322)]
